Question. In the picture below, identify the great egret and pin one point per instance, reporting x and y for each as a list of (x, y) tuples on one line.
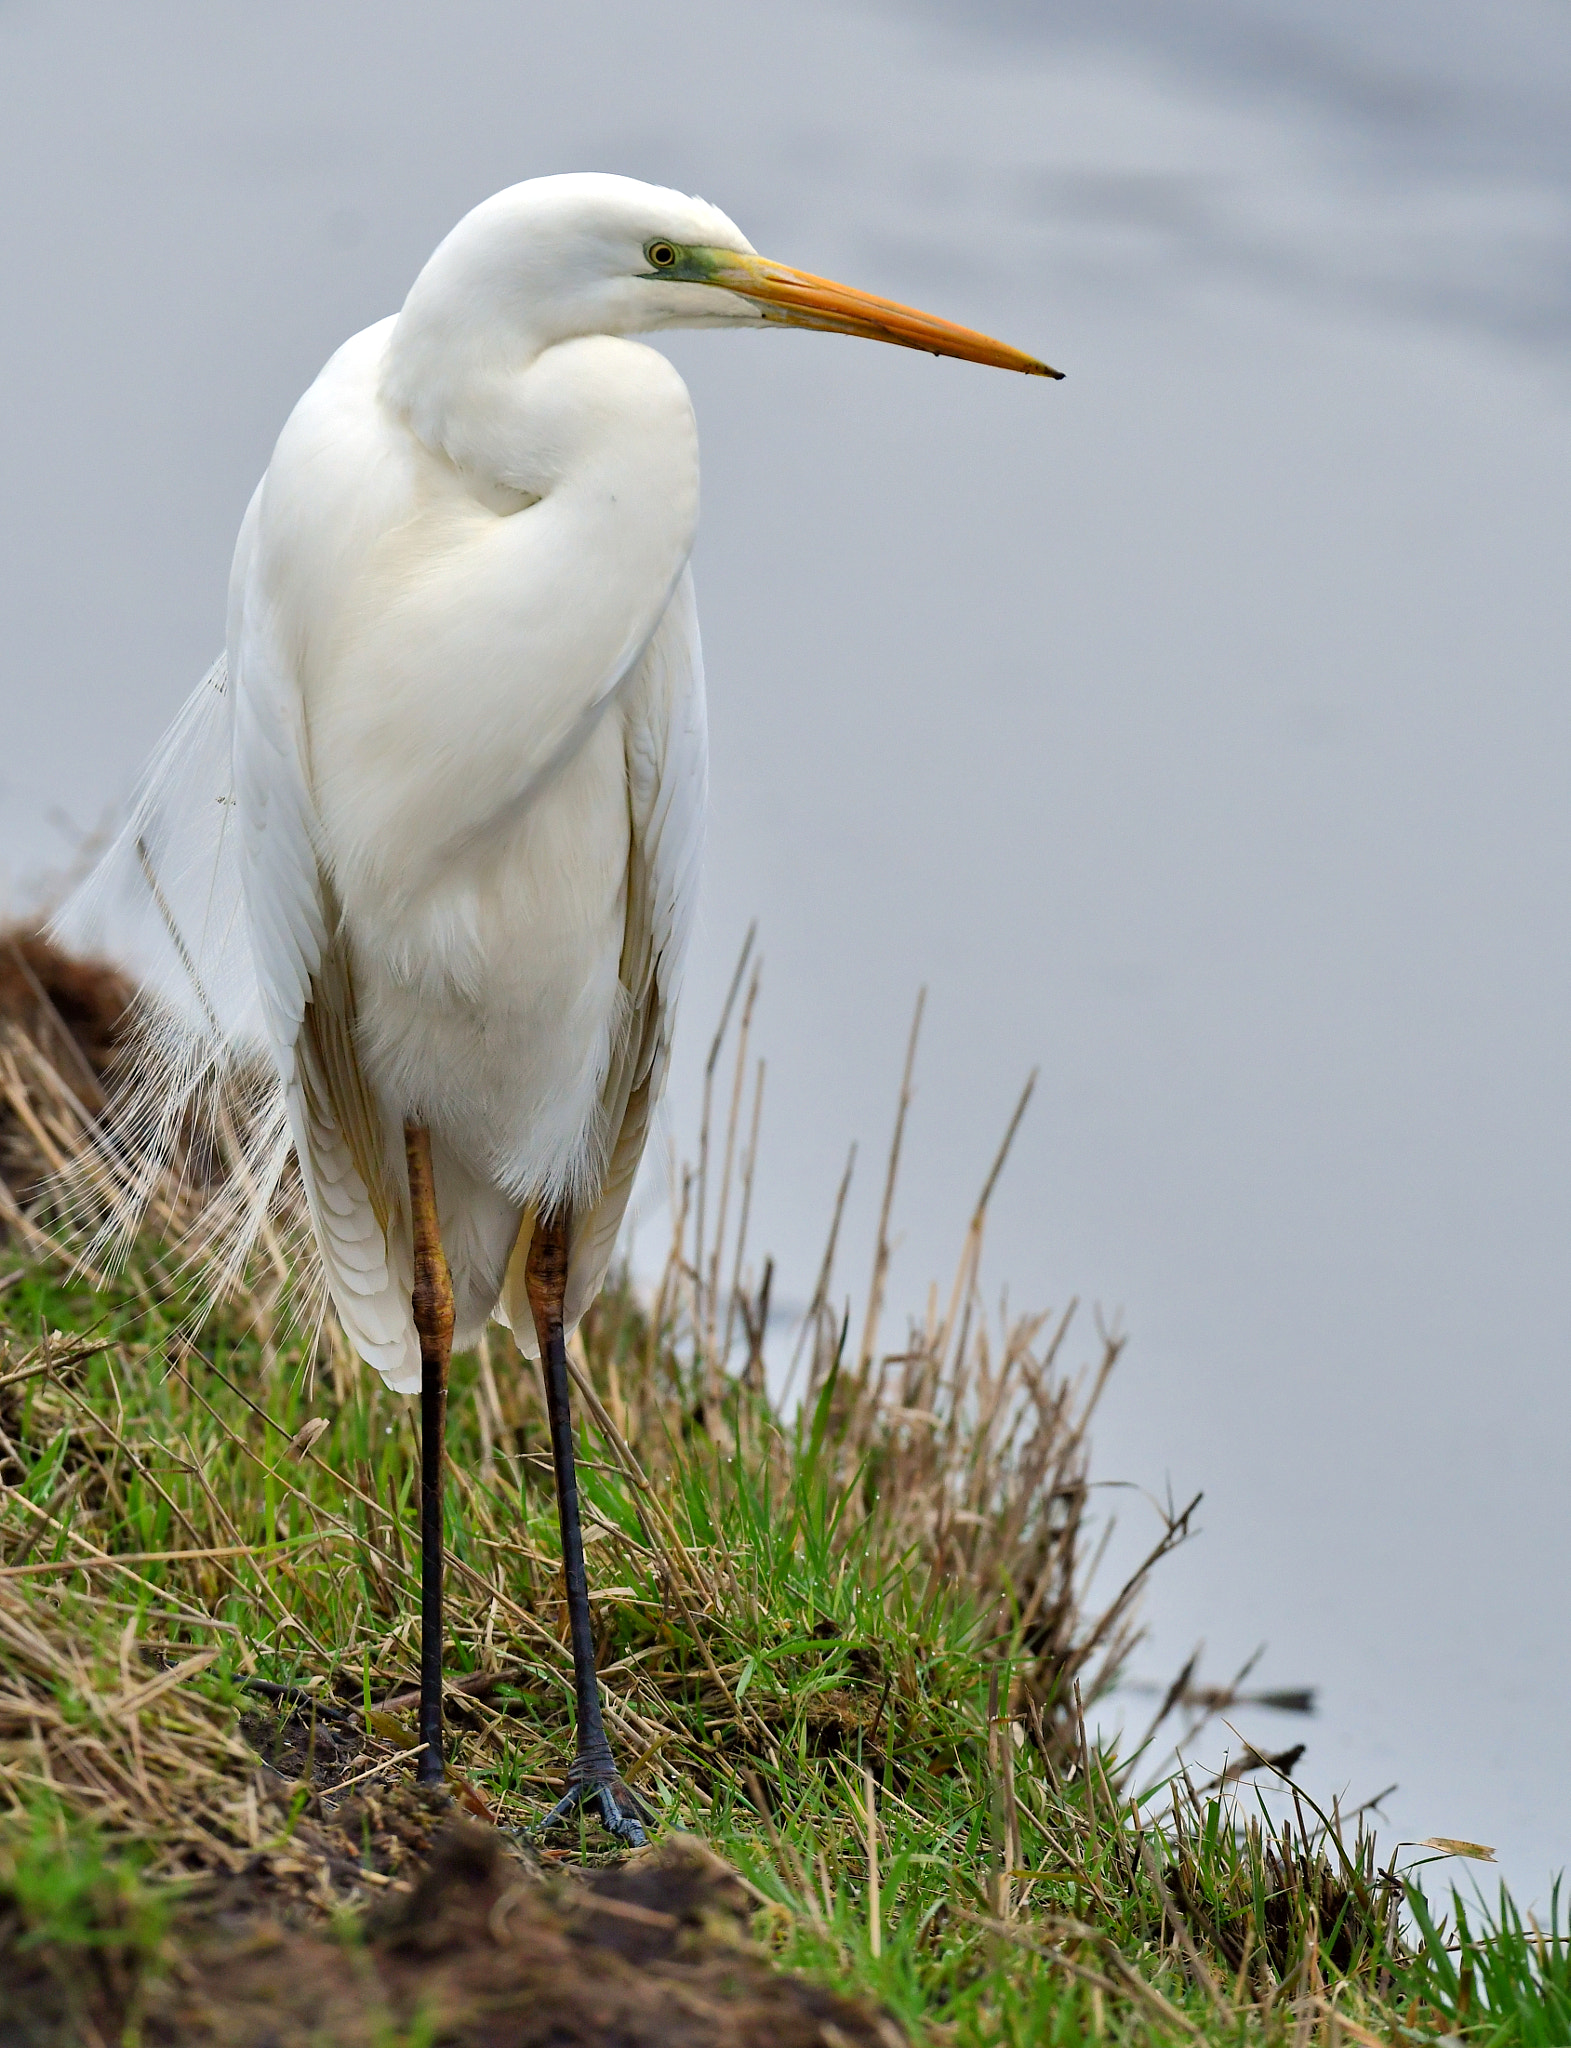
[(429, 833)]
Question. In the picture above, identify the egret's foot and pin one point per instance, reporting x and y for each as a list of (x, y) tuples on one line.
[(622, 1813)]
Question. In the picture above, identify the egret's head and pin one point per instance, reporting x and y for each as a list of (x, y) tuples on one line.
[(587, 253)]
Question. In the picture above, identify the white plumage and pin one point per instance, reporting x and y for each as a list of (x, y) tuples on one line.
[(430, 833), (470, 773)]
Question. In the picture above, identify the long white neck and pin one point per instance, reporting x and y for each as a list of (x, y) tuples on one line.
[(488, 304), (451, 379)]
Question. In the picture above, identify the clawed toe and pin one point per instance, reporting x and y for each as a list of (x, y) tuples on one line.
[(622, 1813)]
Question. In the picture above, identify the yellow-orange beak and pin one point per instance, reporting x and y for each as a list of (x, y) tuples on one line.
[(798, 299)]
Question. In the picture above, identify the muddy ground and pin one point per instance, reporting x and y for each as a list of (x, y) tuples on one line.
[(481, 1951), (370, 1917)]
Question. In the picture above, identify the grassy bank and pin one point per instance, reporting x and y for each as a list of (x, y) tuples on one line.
[(848, 1642)]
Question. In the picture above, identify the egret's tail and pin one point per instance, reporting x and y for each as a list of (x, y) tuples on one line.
[(194, 1137)]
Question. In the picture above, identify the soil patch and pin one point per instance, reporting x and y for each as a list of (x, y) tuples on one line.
[(484, 1951)]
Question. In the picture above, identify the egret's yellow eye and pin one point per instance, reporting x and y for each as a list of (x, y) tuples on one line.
[(661, 255)]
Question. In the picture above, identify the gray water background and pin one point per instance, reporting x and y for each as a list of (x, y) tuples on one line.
[(1197, 728)]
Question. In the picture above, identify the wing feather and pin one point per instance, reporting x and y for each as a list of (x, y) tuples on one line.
[(667, 788), (307, 998)]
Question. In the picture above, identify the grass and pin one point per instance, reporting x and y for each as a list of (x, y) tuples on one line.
[(850, 1643), (1493, 1976)]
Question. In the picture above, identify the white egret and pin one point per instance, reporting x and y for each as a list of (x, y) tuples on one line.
[(429, 833)]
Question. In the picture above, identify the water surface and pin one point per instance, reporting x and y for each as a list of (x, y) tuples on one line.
[(1197, 728)]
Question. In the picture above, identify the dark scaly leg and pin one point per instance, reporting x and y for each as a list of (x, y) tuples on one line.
[(593, 1776), (432, 1302)]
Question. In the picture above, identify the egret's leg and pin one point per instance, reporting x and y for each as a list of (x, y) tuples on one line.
[(593, 1776), (432, 1301)]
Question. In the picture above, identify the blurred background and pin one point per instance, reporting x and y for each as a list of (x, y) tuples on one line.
[(1197, 729)]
